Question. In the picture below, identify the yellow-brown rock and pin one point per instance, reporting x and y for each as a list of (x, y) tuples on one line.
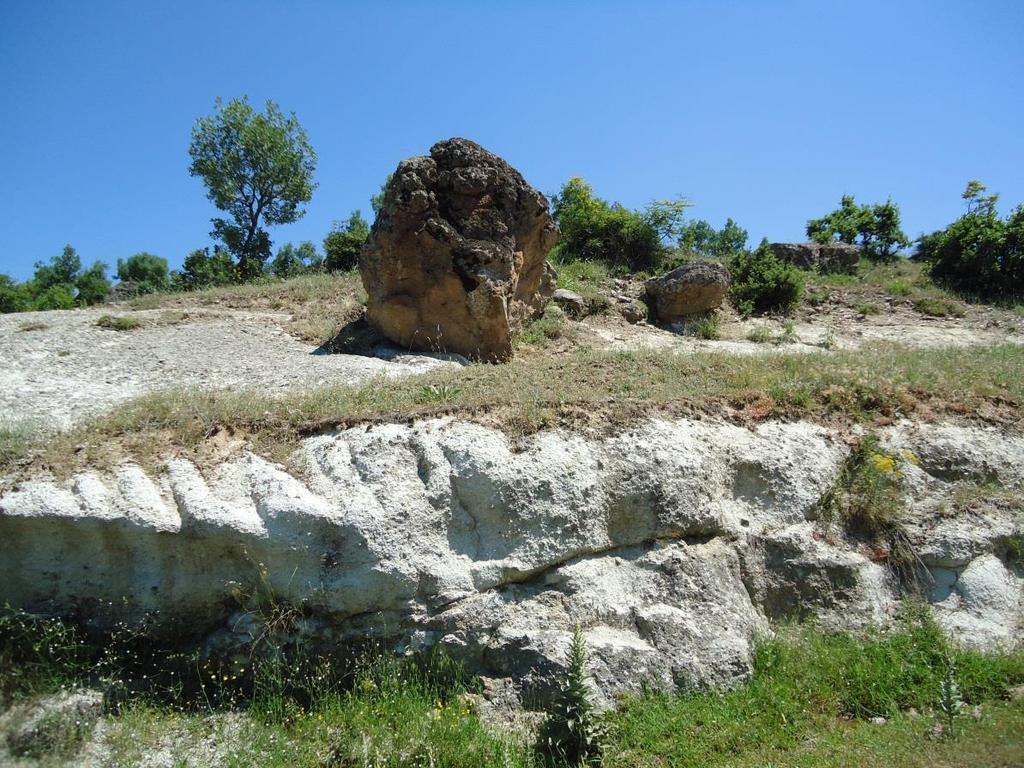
[(456, 258)]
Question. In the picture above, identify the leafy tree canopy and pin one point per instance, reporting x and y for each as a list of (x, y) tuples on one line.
[(258, 168), (201, 269), (875, 228), (699, 238)]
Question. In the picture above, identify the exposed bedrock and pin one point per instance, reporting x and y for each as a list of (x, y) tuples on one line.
[(672, 544)]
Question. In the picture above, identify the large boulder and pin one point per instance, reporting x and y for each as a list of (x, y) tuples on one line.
[(820, 257), (691, 289), (456, 258)]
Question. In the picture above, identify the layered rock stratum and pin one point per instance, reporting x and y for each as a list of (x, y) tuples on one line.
[(672, 544)]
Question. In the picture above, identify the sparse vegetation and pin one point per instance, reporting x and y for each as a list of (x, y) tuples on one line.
[(809, 702), (549, 326), (581, 388), (703, 326)]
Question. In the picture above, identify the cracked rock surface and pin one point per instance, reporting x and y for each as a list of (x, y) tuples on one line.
[(672, 544)]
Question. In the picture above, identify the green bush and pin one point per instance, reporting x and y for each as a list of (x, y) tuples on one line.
[(596, 230), (55, 297), (761, 282), (978, 254), (14, 296)]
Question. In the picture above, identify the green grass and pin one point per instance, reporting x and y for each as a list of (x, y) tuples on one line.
[(549, 326), (809, 703), (582, 388), (589, 279), (119, 322)]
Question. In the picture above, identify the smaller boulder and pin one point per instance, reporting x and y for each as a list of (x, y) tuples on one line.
[(691, 289), (820, 257), (570, 302), (633, 311)]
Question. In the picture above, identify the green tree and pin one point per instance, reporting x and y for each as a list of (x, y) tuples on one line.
[(92, 285), (699, 238), (62, 270), (14, 296), (979, 253), (875, 228), (291, 260), (149, 273), (344, 243), (258, 168), (595, 230), (203, 270)]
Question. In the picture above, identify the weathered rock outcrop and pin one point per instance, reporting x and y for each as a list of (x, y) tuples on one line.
[(820, 257), (672, 544), (691, 289), (456, 257)]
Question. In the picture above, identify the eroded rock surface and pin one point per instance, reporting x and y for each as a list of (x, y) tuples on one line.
[(672, 544), (456, 257), (821, 257)]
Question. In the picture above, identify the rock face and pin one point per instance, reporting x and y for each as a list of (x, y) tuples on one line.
[(691, 289), (821, 257), (456, 257), (672, 544)]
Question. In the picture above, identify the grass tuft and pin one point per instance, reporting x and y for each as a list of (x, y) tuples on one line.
[(119, 322)]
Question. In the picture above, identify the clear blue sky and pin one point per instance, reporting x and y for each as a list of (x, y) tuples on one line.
[(763, 111)]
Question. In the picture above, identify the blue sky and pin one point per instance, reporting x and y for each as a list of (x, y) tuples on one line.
[(763, 111)]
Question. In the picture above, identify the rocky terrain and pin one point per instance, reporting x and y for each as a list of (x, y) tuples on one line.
[(673, 544)]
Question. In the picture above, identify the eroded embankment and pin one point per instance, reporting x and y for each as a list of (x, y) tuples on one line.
[(672, 543)]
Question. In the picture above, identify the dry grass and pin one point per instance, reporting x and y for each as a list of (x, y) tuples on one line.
[(319, 305), (583, 389)]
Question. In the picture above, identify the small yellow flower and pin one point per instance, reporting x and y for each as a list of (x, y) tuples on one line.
[(883, 463)]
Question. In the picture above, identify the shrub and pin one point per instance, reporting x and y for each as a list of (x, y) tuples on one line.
[(55, 297), (979, 253), (761, 282), (344, 243), (147, 272), (596, 230)]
